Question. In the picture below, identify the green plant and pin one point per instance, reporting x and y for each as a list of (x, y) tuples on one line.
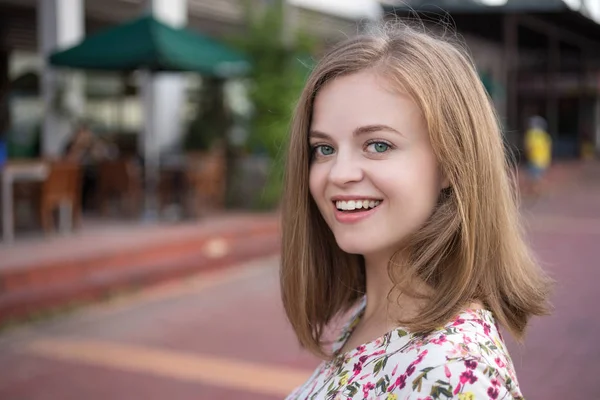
[(211, 121), (278, 72)]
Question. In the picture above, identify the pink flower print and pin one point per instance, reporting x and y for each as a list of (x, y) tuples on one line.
[(458, 321), (457, 389), (499, 362), (495, 382), (486, 329), (420, 357), (394, 370), (366, 388), (357, 369), (468, 376), (410, 370), (364, 358), (492, 392), (453, 352), (447, 371), (439, 340), (471, 364), (400, 383), (361, 349)]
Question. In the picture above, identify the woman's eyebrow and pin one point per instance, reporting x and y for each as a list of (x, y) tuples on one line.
[(374, 128), (361, 130), (318, 135)]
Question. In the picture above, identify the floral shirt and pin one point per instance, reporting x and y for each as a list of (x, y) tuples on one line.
[(465, 360)]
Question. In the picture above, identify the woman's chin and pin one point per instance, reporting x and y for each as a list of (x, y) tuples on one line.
[(356, 246)]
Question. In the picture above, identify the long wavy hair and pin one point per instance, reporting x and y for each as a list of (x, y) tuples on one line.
[(471, 248)]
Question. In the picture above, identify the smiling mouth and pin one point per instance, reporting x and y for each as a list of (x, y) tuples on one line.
[(353, 206)]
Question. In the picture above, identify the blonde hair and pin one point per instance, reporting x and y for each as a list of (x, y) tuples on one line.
[(471, 248)]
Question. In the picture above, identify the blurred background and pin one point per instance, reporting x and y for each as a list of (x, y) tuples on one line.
[(141, 164)]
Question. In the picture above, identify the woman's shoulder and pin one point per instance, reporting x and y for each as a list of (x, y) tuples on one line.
[(473, 333), (466, 358)]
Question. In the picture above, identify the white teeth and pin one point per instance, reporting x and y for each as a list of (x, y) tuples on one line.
[(356, 204)]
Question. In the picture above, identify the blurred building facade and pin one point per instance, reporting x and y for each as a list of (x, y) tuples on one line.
[(535, 57), (34, 98)]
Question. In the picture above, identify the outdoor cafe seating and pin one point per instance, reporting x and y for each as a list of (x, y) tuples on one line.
[(53, 189), (47, 186)]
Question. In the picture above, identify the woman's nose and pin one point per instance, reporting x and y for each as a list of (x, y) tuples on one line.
[(345, 170)]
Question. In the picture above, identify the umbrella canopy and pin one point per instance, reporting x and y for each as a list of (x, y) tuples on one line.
[(146, 43)]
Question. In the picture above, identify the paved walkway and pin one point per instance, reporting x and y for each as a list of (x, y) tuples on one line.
[(222, 335)]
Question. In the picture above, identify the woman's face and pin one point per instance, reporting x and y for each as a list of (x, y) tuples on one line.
[(373, 175)]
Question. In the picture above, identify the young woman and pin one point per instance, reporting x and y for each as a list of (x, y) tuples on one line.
[(398, 209)]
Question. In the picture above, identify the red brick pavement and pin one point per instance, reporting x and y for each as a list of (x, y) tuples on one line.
[(560, 356), (241, 320)]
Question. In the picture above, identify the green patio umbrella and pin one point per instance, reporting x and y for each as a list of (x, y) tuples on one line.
[(146, 43)]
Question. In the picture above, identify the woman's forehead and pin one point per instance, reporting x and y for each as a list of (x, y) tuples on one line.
[(362, 99)]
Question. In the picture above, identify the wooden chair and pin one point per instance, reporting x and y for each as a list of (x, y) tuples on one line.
[(120, 179), (62, 186), (170, 187), (205, 178)]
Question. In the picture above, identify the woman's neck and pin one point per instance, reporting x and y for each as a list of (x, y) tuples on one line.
[(384, 300), (378, 286)]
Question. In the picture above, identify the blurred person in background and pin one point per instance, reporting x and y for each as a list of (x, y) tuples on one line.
[(398, 213), (88, 150), (538, 150)]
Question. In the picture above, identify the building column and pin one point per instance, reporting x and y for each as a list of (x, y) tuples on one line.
[(163, 97), (60, 25), (164, 93)]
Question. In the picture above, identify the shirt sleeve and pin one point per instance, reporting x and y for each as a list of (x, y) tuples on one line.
[(469, 379)]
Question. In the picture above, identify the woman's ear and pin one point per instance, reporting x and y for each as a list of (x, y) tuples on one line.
[(444, 181)]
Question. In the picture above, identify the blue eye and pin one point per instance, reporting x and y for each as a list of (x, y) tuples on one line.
[(379, 147), (323, 150)]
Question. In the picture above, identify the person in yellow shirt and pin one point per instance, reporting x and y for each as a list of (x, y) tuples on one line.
[(538, 150)]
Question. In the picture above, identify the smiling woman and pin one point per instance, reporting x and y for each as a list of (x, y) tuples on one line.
[(398, 205), (367, 158)]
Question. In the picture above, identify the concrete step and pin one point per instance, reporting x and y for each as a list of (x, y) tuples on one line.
[(72, 266), (48, 286)]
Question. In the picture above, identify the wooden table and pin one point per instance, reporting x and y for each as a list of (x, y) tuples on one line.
[(19, 171)]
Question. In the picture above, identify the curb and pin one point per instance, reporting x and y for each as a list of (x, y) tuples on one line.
[(45, 289)]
